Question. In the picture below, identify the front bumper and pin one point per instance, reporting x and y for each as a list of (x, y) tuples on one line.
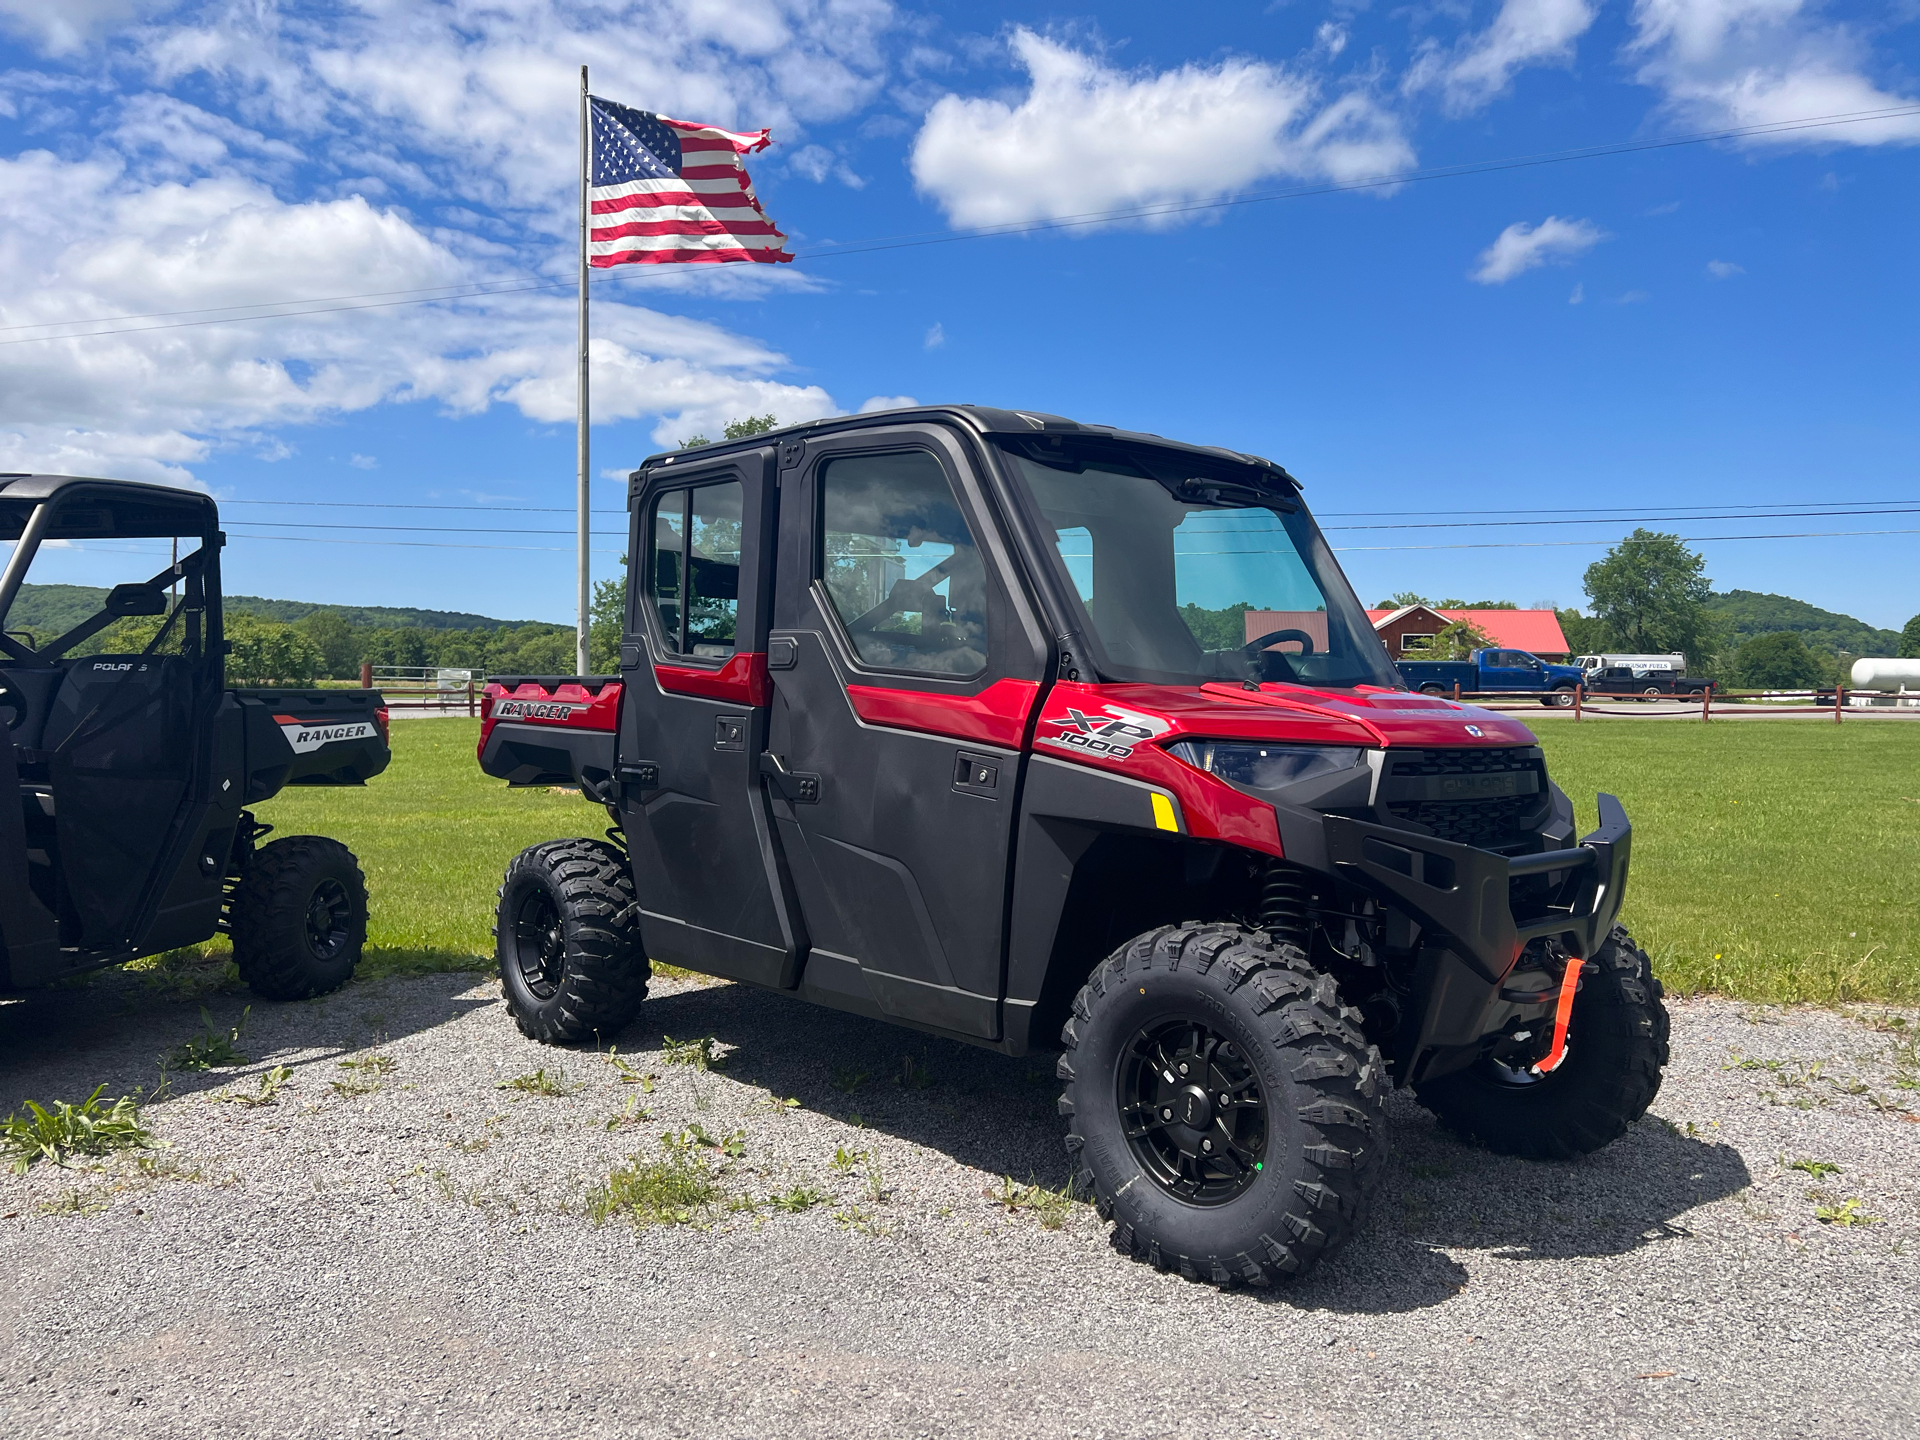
[(1465, 902)]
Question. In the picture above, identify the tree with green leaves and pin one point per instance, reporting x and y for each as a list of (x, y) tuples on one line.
[(1910, 640), (1457, 640), (1651, 593), (333, 637), (735, 430), (1780, 661)]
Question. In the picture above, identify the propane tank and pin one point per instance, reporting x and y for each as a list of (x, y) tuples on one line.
[(1886, 674)]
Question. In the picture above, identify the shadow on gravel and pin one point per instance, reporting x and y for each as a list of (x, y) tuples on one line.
[(116, 1029), (997, 1114)]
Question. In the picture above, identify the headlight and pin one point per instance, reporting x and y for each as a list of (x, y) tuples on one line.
[(1265, 767)]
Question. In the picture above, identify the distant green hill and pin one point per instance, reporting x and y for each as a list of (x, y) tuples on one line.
[(51, 609), (1748, 613)]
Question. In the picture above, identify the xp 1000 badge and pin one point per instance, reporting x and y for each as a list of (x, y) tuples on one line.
[(1111, 734)]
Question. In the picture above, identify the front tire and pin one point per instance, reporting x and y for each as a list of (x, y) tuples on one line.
[(299, 918), (1616, 1049), (567, 937), (1222, 1104)]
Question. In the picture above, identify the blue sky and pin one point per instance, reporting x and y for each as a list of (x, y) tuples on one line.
[(1712, 327)]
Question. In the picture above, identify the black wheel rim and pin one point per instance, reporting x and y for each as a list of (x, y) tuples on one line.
[(329, 920), (539, 947), (1194, 1111)]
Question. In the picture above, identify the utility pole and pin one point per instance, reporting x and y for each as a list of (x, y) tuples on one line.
[(585, 492)]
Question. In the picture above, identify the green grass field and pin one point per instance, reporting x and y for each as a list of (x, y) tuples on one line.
[(1772, 861)]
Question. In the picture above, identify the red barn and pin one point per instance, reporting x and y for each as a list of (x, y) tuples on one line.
[(1408, 630)]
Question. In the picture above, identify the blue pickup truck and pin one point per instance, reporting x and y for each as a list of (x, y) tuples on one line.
[(1487, 671)]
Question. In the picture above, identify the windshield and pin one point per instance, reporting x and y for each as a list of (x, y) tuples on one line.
[(1192, 569)]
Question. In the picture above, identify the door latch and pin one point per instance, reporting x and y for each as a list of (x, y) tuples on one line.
[(783, 652), (794, 785), (976, 774), (730, 732)]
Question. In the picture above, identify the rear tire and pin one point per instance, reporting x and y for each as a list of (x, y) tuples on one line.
[(1292, 1153), (299, 918), (1561, 699), (1616, 1049), (567, 937), (1433, 689)]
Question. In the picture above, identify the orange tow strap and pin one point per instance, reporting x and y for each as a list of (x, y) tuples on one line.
[(1563, 1012)]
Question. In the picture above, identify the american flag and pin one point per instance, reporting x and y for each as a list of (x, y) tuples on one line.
[(669, 190)]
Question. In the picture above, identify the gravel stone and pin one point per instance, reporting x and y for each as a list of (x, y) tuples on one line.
[(419, 1259)]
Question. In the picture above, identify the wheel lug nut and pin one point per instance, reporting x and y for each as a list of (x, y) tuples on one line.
[(1166, 1112), (1183, 1068), (1207, 1145)]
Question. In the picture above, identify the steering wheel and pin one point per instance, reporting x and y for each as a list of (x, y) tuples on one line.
[(1274, 637)]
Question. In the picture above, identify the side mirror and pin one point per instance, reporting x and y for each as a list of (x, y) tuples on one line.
[(124, 600)]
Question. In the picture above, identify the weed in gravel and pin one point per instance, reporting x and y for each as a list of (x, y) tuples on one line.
[(1846, 1214), (271, 1084), (1818, 1169), (626, 1073), (211, 1048), (634, 1114), (160, 1168), (733, 1146), (677, 1190), (874, 1180), (773, 1102), (847, 1161), (554, 1086), (364, 1076), (799, 1198), (697, 1053), (1052, 1208), (66, 1130), (914, 1074), (189, 974), (75, 1202), (847, 1080)]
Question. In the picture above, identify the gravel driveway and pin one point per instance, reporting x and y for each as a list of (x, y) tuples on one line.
[(418, 1257)]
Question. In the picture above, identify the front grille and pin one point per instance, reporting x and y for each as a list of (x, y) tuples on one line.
[(1491, 799)]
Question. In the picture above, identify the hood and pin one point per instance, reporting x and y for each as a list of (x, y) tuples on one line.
[(1376, 719)]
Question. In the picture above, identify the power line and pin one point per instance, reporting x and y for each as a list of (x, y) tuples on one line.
[(831, 250), (1687, 539)]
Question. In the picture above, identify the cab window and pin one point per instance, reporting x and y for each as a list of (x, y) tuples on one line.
[(899, 563), (693, 569)]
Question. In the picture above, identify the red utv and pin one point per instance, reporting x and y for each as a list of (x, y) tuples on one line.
[(945, 717)]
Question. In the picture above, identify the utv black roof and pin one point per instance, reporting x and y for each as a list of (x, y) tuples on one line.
[(35, 488), (981, 419)]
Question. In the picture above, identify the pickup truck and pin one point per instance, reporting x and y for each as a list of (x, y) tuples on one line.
[(1647, 684), (1492, 671)]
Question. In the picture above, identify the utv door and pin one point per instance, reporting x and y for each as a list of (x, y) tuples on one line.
[(694, 721), (904, 673)]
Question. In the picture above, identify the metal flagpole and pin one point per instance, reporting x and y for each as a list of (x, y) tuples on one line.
[(585, 485)]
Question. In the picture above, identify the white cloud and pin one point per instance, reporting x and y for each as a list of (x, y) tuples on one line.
[(363, 462), (1087, 137), (1330, 38), (1724, 269), (936, 336), (887, 402), (817, 162), (1729, 63), (60, 27), (151, 402), (1522, 247), (1480, 67), (1633, 297), (1579, 294)]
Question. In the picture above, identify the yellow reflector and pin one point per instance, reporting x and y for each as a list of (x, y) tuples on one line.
[(1163, 813)]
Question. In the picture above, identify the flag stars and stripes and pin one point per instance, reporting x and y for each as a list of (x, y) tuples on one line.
[(672, 191)]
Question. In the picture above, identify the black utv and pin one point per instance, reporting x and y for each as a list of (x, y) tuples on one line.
[(1036, 734), (127, 765)]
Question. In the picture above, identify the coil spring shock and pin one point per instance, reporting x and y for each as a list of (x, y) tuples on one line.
[(1286, 901)]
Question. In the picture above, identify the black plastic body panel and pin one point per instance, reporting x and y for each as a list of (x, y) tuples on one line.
[(524, 754), (311, 737)]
